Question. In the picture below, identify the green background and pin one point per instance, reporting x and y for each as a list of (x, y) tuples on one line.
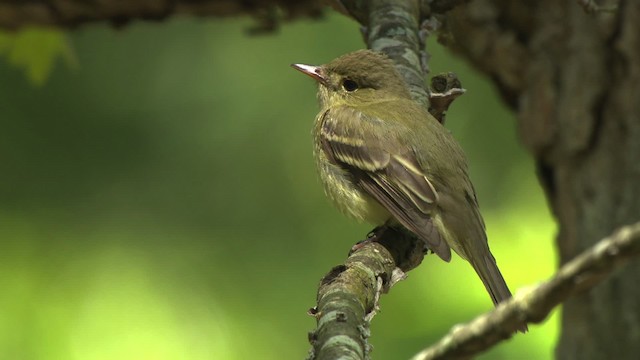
[(158, 199)]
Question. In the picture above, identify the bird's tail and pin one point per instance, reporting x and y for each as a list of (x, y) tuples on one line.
[(493, 280)]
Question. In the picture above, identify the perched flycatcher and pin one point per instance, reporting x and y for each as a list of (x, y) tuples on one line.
[(384, 159)]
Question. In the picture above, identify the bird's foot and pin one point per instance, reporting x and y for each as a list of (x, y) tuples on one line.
[(372, 236)]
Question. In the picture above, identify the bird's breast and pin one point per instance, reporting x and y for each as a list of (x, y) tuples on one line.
[(340, 187)]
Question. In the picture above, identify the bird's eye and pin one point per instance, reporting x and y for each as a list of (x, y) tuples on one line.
[(349, 85)]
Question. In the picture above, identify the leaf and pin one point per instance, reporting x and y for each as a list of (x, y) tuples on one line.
[(35, 50)]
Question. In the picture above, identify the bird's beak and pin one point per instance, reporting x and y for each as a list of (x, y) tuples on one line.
[(315, 72)]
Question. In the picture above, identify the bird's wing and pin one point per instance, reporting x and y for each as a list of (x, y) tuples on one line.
[(389, 172)]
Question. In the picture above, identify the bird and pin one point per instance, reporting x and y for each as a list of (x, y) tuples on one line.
[(384, 159)]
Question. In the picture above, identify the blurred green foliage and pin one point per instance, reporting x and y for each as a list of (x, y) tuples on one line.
[(161, 202)]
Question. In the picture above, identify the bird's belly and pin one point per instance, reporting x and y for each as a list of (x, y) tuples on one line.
[(348, 197)]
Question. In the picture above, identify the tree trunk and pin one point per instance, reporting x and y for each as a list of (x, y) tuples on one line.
[(574, 80)]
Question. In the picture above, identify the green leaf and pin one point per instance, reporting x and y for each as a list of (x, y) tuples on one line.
[(35, 50)]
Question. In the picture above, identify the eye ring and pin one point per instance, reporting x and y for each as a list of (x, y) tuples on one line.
[(349, 85)]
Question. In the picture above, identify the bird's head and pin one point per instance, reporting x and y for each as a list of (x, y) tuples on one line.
[(356, 78)]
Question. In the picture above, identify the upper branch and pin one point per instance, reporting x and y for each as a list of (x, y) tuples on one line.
[(393, 27), (69, 13)]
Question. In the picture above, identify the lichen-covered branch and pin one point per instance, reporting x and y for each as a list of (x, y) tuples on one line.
[(348, 295), (393, 27), (345, 296), (534, 304)]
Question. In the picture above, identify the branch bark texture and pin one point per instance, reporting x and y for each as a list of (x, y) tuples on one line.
[(348, 295), (393, 27)]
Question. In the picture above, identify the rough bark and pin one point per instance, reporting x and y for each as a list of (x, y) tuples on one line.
[(573, 79)]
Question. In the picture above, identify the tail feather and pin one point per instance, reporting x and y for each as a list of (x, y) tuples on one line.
[(494, 282), (492, 279)]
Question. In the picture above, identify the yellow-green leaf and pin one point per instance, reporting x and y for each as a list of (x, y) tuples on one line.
[(35, 50)]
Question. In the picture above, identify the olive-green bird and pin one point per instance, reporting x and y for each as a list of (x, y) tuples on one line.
[(384, 159)]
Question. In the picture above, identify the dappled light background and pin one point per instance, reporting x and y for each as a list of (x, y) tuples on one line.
[(158, 200)]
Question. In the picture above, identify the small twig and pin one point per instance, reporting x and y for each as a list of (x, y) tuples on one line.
[(534, 304), (444, 89)]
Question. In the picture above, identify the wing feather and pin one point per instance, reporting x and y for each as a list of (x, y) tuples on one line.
[(387, 170)]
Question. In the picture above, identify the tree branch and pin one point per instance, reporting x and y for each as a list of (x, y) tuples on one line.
[(534, 305), (70, 13), (393, 27), (348, 295)]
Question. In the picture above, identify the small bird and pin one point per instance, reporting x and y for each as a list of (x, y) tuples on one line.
[(382, 158)]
